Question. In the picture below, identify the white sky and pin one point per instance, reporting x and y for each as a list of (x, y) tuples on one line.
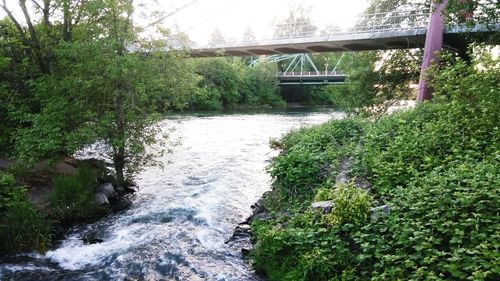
[(233, 17)]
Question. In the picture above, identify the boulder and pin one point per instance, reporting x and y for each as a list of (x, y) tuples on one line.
[(65, 169), (106, 188), (380, 211), (131, 188), (121, 204), (91, 238), (323, 206), (101, 199), (245, 251), (258, 208), (262, 216), (244, 227), (362, 183), (4, 163), (343, 175)]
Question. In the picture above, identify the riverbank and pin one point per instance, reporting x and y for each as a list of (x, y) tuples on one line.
[(183, 212), (426, 208), (40, 204)]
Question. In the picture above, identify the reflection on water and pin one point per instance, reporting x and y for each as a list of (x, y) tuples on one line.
[(183, 213)]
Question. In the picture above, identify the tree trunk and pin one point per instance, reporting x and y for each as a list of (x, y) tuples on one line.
[(119, 164), (34, 42), (66, 29), (119, 149)]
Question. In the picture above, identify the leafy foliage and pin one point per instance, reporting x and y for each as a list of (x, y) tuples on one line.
[(351, 205), (7, 185), (468, 12), (296, 24), (22, 227), (376, 80), (444, 225), (435, 166), (228, 83), (72, 197), (307, 158), (82, 73)]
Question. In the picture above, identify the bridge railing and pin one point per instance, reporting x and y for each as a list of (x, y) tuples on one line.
[(365, 23), (308, 73)]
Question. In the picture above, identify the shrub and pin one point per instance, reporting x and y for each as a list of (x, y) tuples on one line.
[(303, 248), (444, 226), (72, 197), (351, 205), (436, 166), (404, 146), (323, 194), (307, 158), (7, 184), (24, 228)]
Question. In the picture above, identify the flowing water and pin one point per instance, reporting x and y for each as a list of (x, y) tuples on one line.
[(180, 219)]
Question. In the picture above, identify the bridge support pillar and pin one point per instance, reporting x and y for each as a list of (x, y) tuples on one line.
[(433, 43)]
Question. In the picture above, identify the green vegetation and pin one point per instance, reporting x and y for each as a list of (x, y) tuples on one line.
[(370, 91), (72, 197), (307, 159), (435, 166), (22, 227), (82, 72), (73, 73), (229, 83)]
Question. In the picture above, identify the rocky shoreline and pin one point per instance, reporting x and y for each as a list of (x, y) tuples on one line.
[(108, 198), (242, 234)]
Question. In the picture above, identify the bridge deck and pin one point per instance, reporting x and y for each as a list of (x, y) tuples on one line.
[(358, 41)]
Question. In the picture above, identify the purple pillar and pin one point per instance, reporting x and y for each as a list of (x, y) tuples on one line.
[(433, 43)]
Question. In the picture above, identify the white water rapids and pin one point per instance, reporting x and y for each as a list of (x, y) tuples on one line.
[(183, 213)]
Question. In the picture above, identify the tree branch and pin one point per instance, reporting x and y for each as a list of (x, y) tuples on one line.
[(16, 23), (34, 42), (37, 4)]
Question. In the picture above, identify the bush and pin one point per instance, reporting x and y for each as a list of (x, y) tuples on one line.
[(23, 227), (443, 226), (303, 248), (72, 197), (323, 194), (307, 158), (409, 144), (229, 83), (7, 184), (351, 205), (436, 166)]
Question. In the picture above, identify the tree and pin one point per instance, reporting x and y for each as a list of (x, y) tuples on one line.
[(379, 79), (248, 35), (330, 29), (472, 12), (216, 38), (296, 24), (221, 80), (85, 77)]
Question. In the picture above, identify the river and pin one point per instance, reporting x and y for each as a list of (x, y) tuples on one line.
[(184, 212)]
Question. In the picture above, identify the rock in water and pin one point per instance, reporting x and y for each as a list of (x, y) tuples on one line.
[(106, 188), (101, 199)]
